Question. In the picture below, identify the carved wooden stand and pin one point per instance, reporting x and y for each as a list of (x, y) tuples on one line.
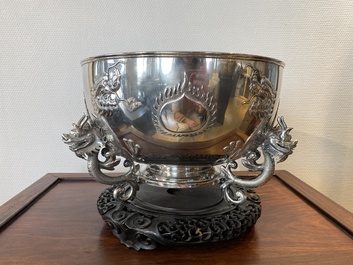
[(177, 217)]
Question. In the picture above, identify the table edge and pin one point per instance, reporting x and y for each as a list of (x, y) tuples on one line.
[(323, 204), (13, 208)]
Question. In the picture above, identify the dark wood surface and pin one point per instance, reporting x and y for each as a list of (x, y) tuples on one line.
[(55, 221)]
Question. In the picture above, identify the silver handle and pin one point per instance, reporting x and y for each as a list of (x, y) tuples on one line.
[(277, 146)]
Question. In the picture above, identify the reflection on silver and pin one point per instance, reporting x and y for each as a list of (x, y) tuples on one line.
[(184, 110), (181, 114)]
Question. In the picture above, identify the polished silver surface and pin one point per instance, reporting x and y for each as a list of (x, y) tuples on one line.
[(181, 114)]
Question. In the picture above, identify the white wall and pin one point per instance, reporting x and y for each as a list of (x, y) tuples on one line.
[(42, 43)]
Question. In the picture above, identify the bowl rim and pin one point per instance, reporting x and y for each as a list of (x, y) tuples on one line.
[(204, 54)]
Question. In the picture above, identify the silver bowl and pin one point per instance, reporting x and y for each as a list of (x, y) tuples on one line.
[(180, 120), (181, 114)]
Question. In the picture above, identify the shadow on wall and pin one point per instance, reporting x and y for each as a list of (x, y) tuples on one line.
[(338, 125), (325, 164)]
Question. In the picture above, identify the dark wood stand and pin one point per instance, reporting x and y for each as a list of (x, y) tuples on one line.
[(55, 221), (177, 217)]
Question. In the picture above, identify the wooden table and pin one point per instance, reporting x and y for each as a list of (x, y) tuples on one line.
[(55, 221)]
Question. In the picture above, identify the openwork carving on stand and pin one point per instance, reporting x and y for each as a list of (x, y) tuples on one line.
[(140, 229), (184, 110), (211, 228)]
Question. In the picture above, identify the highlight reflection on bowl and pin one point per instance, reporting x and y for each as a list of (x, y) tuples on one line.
[(181, 114)]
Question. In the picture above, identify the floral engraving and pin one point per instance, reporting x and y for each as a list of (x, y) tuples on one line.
[(106, 90), (263, 95)]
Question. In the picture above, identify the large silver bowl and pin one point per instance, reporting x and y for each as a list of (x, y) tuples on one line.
[(181, 114)]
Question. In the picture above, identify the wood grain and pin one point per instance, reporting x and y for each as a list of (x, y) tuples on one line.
[(64, 227), (332, 210), (19, 203)]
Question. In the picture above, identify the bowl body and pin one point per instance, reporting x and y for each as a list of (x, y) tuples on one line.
[(183, 108), (188, 116)]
